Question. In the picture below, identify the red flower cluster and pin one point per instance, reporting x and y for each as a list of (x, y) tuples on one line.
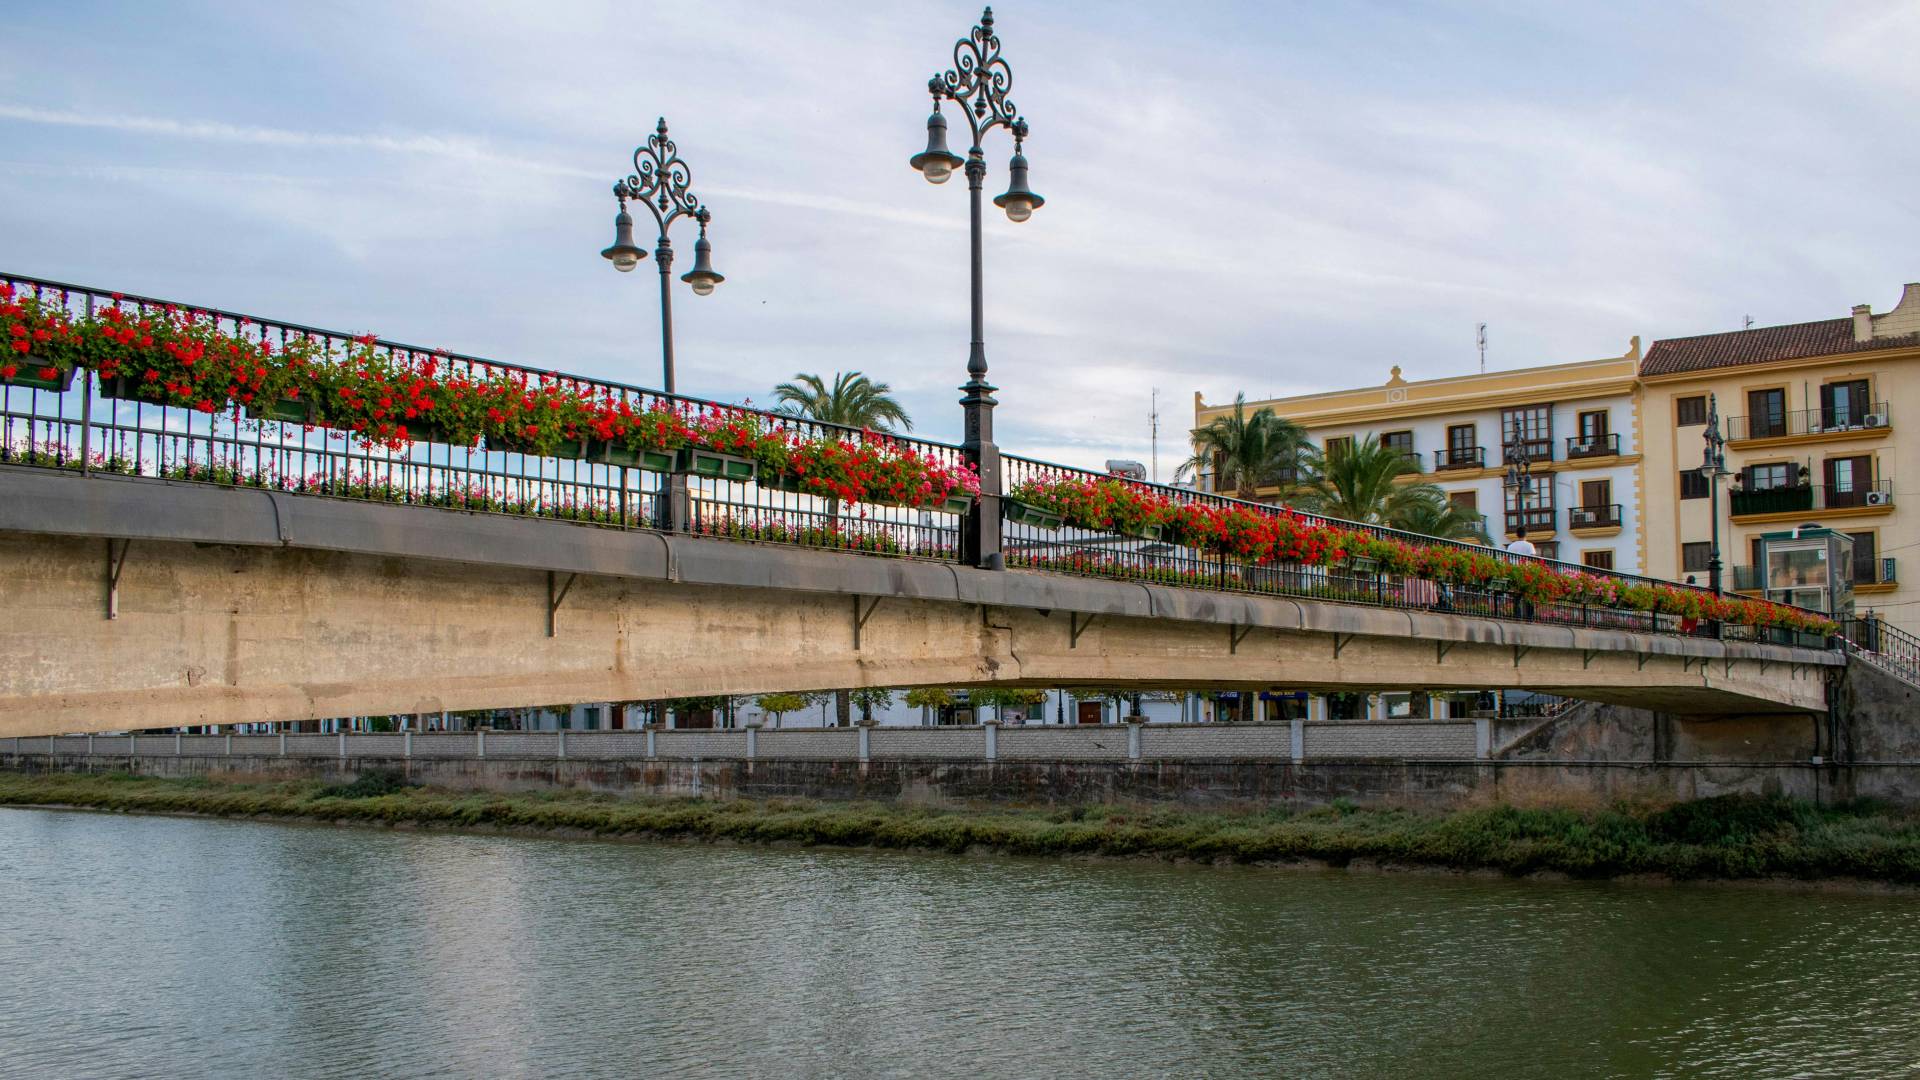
[(1263, 535)]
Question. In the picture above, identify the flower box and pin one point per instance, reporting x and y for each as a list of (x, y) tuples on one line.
[(1150, 532), (607, 452), (118, 388), (28, 375), (566, 448), (959, 502), (1028, 514), (712, 463), (784, 482), (285, 410), (1364, 565)]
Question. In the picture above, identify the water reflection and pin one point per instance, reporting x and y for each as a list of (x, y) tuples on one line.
[(153, 946)]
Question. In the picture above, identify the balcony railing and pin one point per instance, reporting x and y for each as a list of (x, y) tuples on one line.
[(1414, 461), (1537, 519), (1530, 449), (1586, 446), (1808, 422), (1593, 517), (1809, 497), (1460, 457)]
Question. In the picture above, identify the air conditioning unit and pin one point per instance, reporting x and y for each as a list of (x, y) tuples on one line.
[(1879, 498), (1876, 419)]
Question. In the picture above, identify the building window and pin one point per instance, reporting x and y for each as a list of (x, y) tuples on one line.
[(1528, 429), (1766, 413), (1596, 493), (1688, 411), (1465, 500), (1402, 443), (1338, 445), (1599, 560), (1848, 480), (1866, 564), (1693, 484), (1548, 549), (1593, 426), (1767, 477), (1694, 557), (1844, 404)]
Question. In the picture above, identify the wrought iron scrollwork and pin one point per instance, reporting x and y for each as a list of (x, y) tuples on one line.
[(979, 81), (660, 181)]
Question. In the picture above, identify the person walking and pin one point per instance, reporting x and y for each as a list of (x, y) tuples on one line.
[(1522, 609)]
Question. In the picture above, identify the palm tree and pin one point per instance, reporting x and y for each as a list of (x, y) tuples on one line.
[(1438, 516), (853, 400), (1360, 482), (1246, 452)]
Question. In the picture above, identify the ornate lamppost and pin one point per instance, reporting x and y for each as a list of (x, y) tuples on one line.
[(1519, 478), (1713, 466), (660, 182), (978, 84)]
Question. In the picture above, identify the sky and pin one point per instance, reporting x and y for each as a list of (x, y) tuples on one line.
[(1274, 198)]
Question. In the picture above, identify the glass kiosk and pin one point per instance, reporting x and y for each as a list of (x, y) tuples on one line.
[(1809, 567)]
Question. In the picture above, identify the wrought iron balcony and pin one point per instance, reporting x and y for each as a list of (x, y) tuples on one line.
[(1538, 519), (1530, 449), (1460, 457), (1593, 517), (1809, 497), (1586, 446), (1808, 422)]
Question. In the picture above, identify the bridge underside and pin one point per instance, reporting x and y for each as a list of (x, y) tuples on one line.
[(238, 606)]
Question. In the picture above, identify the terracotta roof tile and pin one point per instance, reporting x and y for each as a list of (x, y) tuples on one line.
[(1828, 337)]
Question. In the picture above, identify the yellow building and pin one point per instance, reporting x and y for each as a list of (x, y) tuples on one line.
[(1813, 415), (1576, 423)]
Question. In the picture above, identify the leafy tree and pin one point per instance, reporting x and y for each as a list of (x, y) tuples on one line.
[(929, 697), (778, 705), (869, 698), (1436, 515), (853, 400), (1360, 482), (1246, 452)]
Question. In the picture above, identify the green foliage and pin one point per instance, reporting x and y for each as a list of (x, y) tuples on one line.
[(871, 697), (1246, 452), (1005, 696), (1729, 837), (1431, 513), (929, 697), (783, 703), (1362, 483), (853, 401), (370, 784)]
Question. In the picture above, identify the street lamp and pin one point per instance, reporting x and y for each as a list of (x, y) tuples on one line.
[(978, 84), (660, 182), (1520, 478), (1713, 466)]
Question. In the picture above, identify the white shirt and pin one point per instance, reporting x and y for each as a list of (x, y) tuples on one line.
[(1522, 547)]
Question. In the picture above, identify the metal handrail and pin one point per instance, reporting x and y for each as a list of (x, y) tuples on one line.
[(1810, 422)]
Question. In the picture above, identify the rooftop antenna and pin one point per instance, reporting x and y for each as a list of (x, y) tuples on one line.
[(1153, 430), (1746, 322), (1480, 331)]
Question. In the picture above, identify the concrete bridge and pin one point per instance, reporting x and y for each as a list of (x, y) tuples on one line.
[(138, 603)]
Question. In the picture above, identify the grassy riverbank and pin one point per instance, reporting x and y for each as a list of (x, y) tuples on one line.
[(1725, 838)]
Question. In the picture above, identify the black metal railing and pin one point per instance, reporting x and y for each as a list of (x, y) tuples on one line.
[(1891, 648), (1460, 457), (1808, 422), (1060, 547), (1799, 498), (1593, 517), (1539, 520), (1528, 449), (1586, 446), (82, 430)]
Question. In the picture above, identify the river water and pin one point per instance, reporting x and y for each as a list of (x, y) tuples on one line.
[(143, 946)]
